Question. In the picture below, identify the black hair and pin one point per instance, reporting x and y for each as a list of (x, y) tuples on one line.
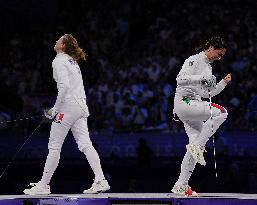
[(216, 42)]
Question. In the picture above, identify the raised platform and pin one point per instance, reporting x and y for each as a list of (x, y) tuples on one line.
[(130, 198)]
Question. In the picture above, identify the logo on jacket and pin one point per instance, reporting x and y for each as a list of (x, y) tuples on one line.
[(72, 62), (191, 63)]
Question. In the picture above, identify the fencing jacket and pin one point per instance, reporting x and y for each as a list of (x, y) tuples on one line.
[(67, 74), (189, 78)]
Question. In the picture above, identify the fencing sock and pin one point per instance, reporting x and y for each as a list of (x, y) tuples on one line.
[(94, 162), (51, 164), (187, 168)]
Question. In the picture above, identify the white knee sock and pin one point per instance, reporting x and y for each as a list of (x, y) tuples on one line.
[(94, 162), (51, 164), (187, 168)]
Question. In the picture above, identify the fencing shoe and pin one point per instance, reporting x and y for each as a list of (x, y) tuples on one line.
[(184, 190), (197, 152), (37, 189), (97, 187)]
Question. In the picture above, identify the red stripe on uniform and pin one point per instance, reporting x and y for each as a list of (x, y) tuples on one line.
[(222, 109), (60, 118)]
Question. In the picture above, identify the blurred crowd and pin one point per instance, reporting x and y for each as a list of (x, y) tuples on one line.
[(135, 49)]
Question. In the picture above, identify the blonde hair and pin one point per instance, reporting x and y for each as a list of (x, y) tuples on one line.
[(72, 48)]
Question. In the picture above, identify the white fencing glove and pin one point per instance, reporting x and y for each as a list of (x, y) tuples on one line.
[(51, 113), (208, 81)]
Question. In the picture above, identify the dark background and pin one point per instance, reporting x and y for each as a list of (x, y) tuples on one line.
[(136, 49)]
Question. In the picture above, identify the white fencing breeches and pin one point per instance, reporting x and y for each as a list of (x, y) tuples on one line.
[(71, 116), (196, 116)]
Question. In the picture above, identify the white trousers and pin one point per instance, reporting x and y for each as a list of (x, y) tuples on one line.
[(73, 115), (196, 116)]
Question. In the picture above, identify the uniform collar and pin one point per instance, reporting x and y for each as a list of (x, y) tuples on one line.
[(204, 57), (62, 54)]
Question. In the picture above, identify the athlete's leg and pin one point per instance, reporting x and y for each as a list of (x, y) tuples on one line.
[(193, 130), (219, 115), (81, 135)]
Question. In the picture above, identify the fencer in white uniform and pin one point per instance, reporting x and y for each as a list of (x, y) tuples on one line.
[(194, 82), (69, 112)]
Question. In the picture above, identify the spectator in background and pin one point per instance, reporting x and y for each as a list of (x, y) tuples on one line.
[(131, 54)]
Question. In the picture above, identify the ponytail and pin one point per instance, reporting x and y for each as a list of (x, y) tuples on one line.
[(72, 48)]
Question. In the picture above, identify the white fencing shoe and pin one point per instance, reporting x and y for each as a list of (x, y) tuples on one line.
[(97, 187), (197, 152), (37, 189), (183, 190)]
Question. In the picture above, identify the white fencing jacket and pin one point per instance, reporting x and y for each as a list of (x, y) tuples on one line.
[(189, 78), (67, 74)]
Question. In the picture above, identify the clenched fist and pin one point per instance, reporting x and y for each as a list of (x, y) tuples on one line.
[(227, 79)]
